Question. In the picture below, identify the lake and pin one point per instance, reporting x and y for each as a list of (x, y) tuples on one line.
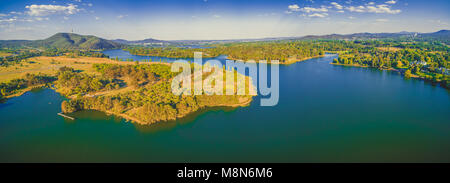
[(326, 113), (121, 54)]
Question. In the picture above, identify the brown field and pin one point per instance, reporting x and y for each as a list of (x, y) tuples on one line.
[(50, 65)]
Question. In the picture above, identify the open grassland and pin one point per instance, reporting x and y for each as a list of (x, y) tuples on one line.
[(50, 66)]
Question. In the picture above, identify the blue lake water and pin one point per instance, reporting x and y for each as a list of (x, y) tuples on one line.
[(325, 113), (124, 55)]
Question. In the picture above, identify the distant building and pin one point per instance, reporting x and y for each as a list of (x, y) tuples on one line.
[(443, 70), (418, 63)]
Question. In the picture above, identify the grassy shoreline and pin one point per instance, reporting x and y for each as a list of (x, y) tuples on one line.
[(23, 91)]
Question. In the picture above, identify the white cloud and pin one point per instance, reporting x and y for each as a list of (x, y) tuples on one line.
[(217, 16), (382, 9), (310, 9), (371, 3), (382, 20), (293, 7), (341, 11), (121, 16), (373, 9), (359, 9), (9, 20), (97, 18), (350, 17), (44, 10), (90, 4), (318, 15), (15, 13), (41, 19), (337, 5), (391, 2)]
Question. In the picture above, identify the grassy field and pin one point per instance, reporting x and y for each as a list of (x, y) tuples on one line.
[(4, 54), (50, 65)]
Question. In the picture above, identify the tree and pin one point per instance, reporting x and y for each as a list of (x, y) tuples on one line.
[(335, 61), (398, 64), (416, 69), (67, 107), (408, 73)]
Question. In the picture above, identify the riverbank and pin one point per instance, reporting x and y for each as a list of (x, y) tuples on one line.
[(290, 61), (399, 71), (23, 91), (150, 55), (349, 65), (386, 69)]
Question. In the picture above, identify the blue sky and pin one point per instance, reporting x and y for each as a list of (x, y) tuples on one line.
[(217, 19)]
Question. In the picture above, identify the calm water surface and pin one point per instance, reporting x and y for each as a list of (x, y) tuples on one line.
[(326, 113)]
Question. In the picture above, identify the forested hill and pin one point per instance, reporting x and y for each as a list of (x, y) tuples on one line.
[(66, 41), (75, 41)]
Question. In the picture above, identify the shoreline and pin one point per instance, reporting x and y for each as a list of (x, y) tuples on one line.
[(350, 65), (414, 76), (23, 91), (144, 55), (131, 119), (228, 58), (280, 63)]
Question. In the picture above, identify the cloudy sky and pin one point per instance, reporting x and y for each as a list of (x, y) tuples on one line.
[(217, 19)]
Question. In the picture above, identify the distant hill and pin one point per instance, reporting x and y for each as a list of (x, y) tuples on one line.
[(14, 43), (67, 41), (442, 35), (149, 41)]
